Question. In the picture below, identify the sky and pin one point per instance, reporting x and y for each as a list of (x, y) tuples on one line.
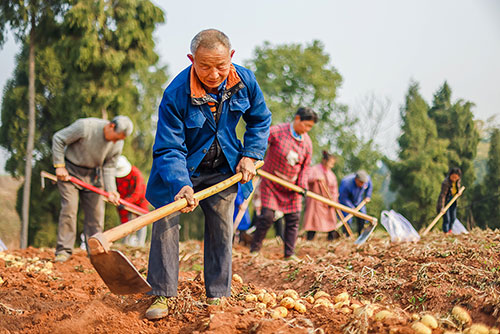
[(378, 47)]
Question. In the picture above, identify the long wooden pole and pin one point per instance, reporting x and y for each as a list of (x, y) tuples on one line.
[(136, 224), (443, 211), (315, 196), (339, 212)]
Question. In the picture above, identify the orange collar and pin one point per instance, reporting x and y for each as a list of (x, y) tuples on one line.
[(197, 90)]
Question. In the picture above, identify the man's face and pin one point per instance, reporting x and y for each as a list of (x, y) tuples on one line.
[(212, 65), (302, 127), (111, 135), (359, 183)]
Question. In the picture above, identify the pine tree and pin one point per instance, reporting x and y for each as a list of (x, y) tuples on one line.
[(486, 205), (417, 176)]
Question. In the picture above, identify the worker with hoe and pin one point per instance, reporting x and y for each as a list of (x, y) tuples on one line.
[(88, 149), (449, 188), (196, 147), (354, 188), (288, 157)]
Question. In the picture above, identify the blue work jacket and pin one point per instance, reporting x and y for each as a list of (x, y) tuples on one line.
[(186, 129), (351, 195)]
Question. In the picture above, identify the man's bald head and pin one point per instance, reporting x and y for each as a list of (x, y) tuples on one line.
[(210, 39)]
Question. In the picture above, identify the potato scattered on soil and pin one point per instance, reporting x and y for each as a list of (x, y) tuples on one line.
[(477, 329), (429, 321), (494, 331), (420, 328), (345, 310), (251, 298), (260, 306), (299, 307), (237, 278), (267, 298), (384, 314), (288, 302), (367, 309), (323, 302), (320, 294), (342, 297), (461, 314), (310, 299), (291, 293), (279, 312)]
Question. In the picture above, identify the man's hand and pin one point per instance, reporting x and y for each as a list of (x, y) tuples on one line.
[(188, 193), (114, 198), (62, 174), (247, 168), (368, 199)]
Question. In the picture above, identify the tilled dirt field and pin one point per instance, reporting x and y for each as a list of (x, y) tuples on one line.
[(409, 280)]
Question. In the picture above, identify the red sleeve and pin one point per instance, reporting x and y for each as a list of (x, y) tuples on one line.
[(137, 187)]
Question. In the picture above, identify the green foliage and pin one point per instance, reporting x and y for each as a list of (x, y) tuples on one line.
[(486, 204), (418, 174), (99, 62), (454, 121)]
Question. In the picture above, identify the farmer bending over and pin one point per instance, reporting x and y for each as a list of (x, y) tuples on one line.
[(355, 188), (196, 147), (289, 155), (88, 150)]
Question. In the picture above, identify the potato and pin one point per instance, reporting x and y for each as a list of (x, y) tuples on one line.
[(494, 331), (267, 298), (477, 329), (420, 328), (345, 310), (384, 314), (237, 278), (279, 312), (251, 298), (288, 302), (339, 305), (291, 293), (323, 302), (342, 297), (310, 299), (299, 307), (320, 294), (429, 321), (279, 297), (367, 309), (260, 306), (461, 314)]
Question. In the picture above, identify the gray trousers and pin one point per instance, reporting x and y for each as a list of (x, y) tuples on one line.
[(91, 203), (163, 267)]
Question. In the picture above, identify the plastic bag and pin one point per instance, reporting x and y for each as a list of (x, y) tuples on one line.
[(458, 228), (398, 227)]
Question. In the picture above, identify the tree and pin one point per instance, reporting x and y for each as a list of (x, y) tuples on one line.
[(30, 21), (455, 122), (486, 204), (418, 174), (103, 63)]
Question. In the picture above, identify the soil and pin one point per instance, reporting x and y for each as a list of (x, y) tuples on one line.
[(408, 279)]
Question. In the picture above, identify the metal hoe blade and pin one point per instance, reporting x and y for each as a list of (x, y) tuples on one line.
[(365, 234), (119, 274)]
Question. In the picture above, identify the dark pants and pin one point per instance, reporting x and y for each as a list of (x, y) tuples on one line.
[(163, 267), (91, 203), (360, 224), (331, 235), (449, 217), (264, 222)]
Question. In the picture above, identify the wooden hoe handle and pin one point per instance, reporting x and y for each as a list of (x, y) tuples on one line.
[(315, 196), (443, 211)]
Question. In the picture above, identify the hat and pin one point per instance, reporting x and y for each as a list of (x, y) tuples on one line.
[(362, 176), (123, 167)]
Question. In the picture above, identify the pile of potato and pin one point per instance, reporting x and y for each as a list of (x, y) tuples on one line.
[(32, 265), (427, 323), (281, 304)]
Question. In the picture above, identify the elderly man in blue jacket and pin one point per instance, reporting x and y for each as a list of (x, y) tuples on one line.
[(354, 188), (196, 147)]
